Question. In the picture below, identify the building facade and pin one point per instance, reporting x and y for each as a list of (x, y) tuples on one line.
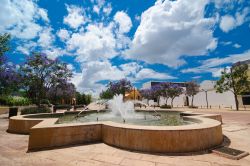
[(244, 99)]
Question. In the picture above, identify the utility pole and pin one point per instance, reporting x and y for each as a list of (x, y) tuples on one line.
[(206, 96)]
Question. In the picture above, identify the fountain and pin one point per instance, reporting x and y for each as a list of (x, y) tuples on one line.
[(120, 108), (123, 126)]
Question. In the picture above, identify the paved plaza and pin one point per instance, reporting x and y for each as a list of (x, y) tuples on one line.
[(13, 149)]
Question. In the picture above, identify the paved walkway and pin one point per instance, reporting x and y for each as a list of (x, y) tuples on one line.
[(13, 149)]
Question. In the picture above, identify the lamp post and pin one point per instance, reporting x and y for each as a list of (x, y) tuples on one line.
[(206, 96)]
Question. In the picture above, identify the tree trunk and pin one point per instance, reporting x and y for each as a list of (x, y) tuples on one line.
[(158, 101), (192, 101), (236, 102), (166, 101), (172, 102)]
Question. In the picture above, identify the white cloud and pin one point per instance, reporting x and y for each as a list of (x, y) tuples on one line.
[(131, 68), (229, 22), (45, 37), (75, 16), (63, 34), (98, 42), (43, 14), (19, 17), (213, 65), (95, 71), (107, 9), (171, 29), (149, 73), (124, 21), (236, 45), (54, 52)]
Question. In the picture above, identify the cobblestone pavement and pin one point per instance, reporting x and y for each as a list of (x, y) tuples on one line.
[(13, 149)]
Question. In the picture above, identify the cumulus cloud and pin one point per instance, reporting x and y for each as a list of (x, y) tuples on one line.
[(149, 73), (94, 72), (45, 37), (96, 43), (123, 21), (63, 34), (75, 16), (172, 29), (89, 80), (19, 18), (229, 22)]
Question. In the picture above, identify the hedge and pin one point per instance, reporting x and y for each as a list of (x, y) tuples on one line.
[(166, 106), (14, 101), (35, 110)]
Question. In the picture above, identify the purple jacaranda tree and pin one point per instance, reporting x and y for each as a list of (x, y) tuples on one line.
[(120, 87), (147, 94), (41, 74), (116, 87), (155, 92), (63, 91), (174, 91)]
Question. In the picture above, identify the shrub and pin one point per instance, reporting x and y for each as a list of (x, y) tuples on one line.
[(14, 101), (79, 106), (166, 106), (64, 106), (192, 106), (45, 102), (35, 110)]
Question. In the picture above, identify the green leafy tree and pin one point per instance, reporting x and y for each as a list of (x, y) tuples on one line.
[(106, 94), (41, 73), (4, 45), (9, 77), (192, 89), (174, 91), (235, 80), (82, 98)]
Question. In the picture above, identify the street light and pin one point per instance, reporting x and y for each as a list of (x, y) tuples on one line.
[(206, 96)]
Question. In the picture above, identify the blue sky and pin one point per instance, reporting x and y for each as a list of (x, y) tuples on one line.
[(140, 40)]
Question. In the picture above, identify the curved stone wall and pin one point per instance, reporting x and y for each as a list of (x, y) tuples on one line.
[(206, 133), (174, 139)]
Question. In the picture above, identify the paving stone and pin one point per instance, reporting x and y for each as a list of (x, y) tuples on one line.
[(133, 162), (108, 159), (13, 150)]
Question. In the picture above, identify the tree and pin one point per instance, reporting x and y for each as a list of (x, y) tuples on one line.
[(191, 90), (115, 88), (174, 91), (165, 87), (235, 80), (10, 78), (147, 94), (157, 91), (63, 91), (4, 45), (42, 73), (120, 87), (106, 94)]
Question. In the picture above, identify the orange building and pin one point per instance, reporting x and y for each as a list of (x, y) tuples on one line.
[(133, 95)]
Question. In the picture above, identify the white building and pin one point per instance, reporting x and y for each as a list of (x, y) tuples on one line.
[(215, 100)]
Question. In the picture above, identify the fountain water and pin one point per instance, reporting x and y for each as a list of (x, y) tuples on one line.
[(120, 108)]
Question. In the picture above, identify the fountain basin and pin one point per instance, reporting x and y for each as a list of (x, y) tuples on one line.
[(204, 133)]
